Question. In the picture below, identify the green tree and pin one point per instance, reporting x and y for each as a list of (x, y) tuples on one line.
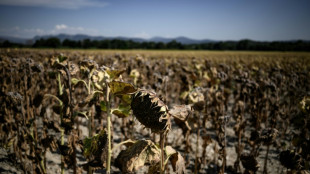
[(52, 42)]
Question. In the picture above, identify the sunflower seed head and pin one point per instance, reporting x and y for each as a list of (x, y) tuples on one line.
[(268, 135), (249, 162), (150, 111), (291, 160)]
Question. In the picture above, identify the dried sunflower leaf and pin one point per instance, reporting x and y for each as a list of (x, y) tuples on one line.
[(62, 58), (154, 169), (126, 98), (121, 111), (97, 143), (140, 153), (103, 106), (75, 81), (121, 88), (84, 114), (181, 112), (114, 74), (178, 163)]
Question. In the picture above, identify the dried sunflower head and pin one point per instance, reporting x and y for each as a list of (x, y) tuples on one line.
[(197, 98), (255, 137), (15, 97), (249, 162), (268, 135), (291, 160), (150, 111), (73, 68), (305, 104)]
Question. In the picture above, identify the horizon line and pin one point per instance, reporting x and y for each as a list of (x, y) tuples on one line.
[(147, 39)]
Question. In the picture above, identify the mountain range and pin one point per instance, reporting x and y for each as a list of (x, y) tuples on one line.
[(77, 37)]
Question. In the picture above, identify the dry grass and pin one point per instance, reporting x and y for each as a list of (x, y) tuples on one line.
[(219, 56)]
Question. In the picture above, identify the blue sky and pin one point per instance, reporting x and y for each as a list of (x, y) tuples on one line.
[(264, 20)]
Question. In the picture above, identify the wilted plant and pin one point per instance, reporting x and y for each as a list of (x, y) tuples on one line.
[(249, 162), (263, 96), (197, 100), (137, 155), (180, 114), (267, 137), (297, 160), (64, 106), (105, 78), (116, 88), (96, 149), (153, 114), (239, 130)]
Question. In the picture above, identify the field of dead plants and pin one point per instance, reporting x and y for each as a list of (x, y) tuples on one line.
[(113, 111)]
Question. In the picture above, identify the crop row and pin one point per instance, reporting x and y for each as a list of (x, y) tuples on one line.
[(200, 115)]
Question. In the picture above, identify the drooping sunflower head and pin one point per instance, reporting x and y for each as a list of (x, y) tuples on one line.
[(249, 162), (268, 135), (150, 111)]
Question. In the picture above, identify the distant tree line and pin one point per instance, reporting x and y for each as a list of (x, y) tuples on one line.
[(8, 44), (246, 44)]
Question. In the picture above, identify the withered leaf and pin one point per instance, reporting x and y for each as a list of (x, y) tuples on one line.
[(96, 144), (103, 106), (121, 111), (57, 109), (75, 81), (178, 163), (114, 74), (126, 99), (37, 100), (88, 99), (181, 111), (176, 159), (141, 153), (121, 88), (154, 169)]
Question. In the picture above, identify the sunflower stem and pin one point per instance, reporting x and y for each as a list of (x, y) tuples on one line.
[(62, 129), (162, 159), (62, 157), (109, 128), (197, 145), (265, 162)]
